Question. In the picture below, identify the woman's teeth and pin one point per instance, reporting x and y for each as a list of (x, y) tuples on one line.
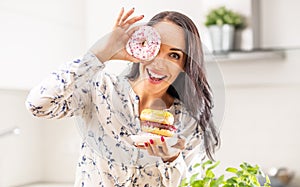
[(156, 76)]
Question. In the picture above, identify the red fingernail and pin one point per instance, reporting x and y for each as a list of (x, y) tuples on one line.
[(162, 139), (151, 141), (146, 144)]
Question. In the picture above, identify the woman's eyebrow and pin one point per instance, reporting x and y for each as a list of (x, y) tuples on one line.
[(176, 49)]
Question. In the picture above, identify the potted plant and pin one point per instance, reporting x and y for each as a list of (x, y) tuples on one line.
[(246, 176), (222, 23)]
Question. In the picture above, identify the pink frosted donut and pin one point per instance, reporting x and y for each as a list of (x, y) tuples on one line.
[(144, 44)]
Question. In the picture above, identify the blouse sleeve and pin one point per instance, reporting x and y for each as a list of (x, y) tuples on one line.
[(173, 172), (65, 92)]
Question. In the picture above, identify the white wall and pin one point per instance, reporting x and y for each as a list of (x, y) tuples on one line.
[(20, 155), (280, 23), (40, 35), (101, 17), (36, 36), (45, 150), (261, 122), (60, 150)]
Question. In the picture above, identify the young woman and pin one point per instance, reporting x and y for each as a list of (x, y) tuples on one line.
[(107, 107)]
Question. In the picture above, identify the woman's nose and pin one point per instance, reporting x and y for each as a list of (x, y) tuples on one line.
[(158, 61)]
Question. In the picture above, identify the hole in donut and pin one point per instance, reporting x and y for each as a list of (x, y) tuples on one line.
[(144, 43)]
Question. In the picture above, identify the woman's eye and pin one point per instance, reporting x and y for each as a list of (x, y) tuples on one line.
[(175, 56)]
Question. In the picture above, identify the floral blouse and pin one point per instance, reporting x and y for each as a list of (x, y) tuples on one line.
[(106, 110)]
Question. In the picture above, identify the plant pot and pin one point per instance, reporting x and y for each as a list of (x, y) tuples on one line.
[(222, 37)]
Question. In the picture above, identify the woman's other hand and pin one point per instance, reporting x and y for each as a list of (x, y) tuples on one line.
[(162, 149), (112, 45)]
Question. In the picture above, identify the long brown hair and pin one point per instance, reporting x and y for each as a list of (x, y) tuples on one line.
[(191, 87)]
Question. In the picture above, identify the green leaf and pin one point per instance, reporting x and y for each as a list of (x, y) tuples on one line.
[(239, 173), (222, 15), (210, 174), (184, 182), (194, 177), (232, 170), (214, 165), (196, 165), (244, 166), (197, 183), (217, 182), (232, 180), (228, 185), (219, 22), (208, 162), (268, 182), (247, 176), (254, 180)]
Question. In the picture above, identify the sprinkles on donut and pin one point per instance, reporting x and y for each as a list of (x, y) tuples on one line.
[(144, 44)]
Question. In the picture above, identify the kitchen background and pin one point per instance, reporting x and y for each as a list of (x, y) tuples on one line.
[(260, 121)]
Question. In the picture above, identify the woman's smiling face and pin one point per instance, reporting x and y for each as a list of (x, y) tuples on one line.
[(159, 73)]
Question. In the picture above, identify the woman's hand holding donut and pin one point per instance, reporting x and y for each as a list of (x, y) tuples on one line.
[(112, 46)]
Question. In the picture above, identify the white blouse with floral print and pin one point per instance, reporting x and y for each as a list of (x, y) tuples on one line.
[(106, 109)]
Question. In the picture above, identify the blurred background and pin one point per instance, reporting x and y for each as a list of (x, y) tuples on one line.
[(258, 106)]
